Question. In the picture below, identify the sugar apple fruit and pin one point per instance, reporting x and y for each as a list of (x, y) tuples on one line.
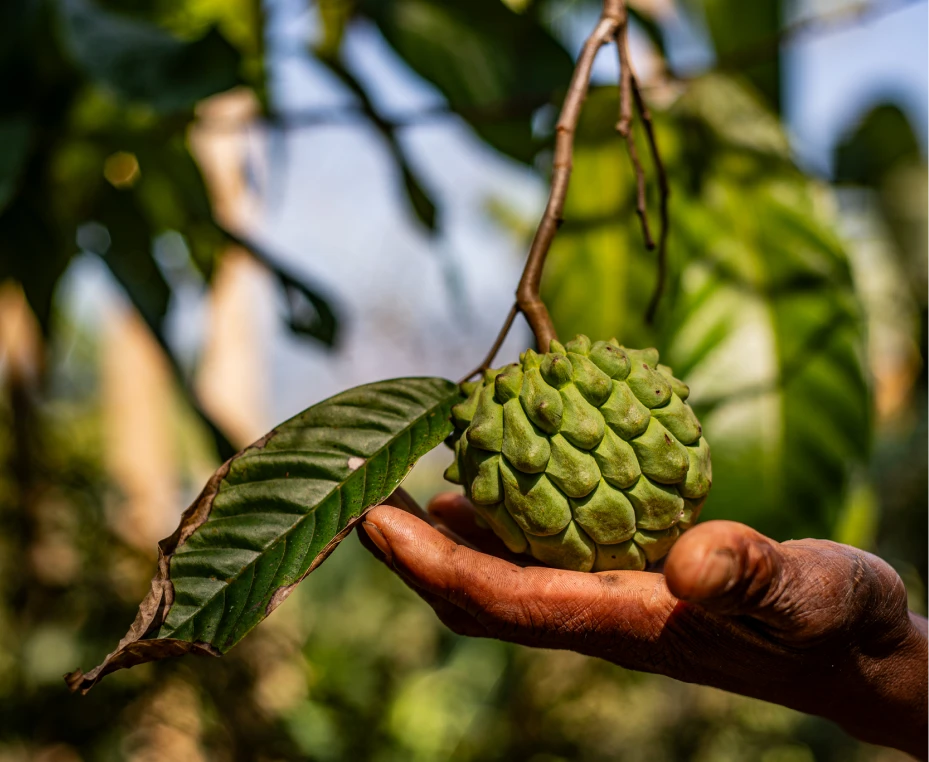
[(587, 457)]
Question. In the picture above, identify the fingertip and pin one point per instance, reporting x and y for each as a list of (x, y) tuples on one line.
[(416, 549), (394, 523), (378, 540), (710, 560), (382, 514), (448, 502)]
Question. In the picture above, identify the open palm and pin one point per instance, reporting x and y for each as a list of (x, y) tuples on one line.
[(810, 624)]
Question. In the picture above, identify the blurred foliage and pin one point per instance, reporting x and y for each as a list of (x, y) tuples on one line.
[(746, 37), (767, 315), (760, 314), (879, 144), (354, 666), (494, 66), (881, 155), (96, 112)]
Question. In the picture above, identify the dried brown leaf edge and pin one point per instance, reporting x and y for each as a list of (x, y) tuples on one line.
[(135, 648)]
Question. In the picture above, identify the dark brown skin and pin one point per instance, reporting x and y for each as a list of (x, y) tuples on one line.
[(816, 626)]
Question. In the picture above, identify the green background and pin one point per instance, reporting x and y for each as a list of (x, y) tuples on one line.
[(768, 315)]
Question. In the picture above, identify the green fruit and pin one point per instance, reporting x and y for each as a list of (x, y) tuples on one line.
[(587, 457)]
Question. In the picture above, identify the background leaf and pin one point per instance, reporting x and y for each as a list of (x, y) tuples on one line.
[(142, 62), (879, 143), (14, 150), (760, 316), (272, 513), (33, 248), (745, 37), (129, 255), (493, 65)]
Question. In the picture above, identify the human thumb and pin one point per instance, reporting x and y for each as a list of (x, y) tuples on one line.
[(729, 568)]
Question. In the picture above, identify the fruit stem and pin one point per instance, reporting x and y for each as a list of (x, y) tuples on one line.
[(492, 353), (527, 293), (611, 27)]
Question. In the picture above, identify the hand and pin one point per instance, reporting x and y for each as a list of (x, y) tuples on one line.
[(816, 626)]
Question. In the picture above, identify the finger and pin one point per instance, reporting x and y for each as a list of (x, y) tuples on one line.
[(376, 547), (798, 591), (729, 568), (457, 513), (535, 605), (402, 499), (457, 620), (802, 590)]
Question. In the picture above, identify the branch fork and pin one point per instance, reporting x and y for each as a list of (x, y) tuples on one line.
[(611, 27)]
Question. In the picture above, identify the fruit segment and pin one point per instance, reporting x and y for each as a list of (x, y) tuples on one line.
[(586, 457)]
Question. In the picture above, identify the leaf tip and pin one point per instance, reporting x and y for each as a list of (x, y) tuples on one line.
[(130, 654), (74, 681)]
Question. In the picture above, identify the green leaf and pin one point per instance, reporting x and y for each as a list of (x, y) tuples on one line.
[(15, 134), (880, 142), (142, 62), (272, 513), (35, 245), (746, 39), (760, 317), (494, 66)]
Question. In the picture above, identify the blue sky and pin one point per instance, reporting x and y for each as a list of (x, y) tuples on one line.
[(833, 78)]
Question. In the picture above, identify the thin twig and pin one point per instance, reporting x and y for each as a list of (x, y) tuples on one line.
[(664, 192), (611, 26), (498, 342), (625, 128)]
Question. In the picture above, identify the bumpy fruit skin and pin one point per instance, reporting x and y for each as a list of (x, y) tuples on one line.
[(587, 458)]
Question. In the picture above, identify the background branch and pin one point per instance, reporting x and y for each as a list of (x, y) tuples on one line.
[(809, 27), (625, 128), (322, 324), (612, 26), (664, 192)]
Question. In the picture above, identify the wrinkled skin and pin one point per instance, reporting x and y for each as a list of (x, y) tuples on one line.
[(816, 626)]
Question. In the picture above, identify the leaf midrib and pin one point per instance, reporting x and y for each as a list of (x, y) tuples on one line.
[(338, 489)]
